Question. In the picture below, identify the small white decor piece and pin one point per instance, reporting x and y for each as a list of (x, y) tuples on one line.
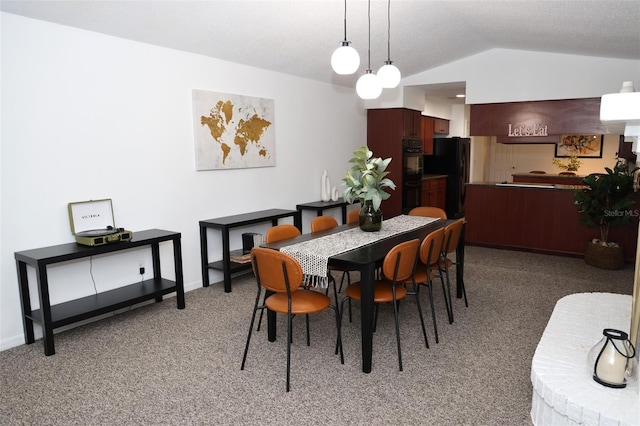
[(334, 194), (326, 185)]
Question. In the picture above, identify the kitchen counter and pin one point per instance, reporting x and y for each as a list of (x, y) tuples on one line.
[(562, 187), (548, 178), (542, 220), (428, 177)]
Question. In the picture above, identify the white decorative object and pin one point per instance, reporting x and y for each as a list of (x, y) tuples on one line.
[(334, 194), (326, 185), (620, 113)]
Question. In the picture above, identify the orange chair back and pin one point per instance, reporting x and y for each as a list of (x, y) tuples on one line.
[(275, 270), (322, 223), (538, 172), (452, 234), (281, 232), (566, 174), (428, 211), (431, 247), (399, 264), (353, 217)]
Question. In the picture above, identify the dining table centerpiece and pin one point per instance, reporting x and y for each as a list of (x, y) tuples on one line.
[(366, 181)]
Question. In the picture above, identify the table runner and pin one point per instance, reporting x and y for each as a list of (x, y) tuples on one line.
[(313, 255)]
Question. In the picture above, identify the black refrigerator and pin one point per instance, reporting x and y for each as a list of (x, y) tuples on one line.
[(451, 157)]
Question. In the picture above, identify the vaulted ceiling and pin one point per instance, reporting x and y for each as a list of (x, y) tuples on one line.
[(298, 37)]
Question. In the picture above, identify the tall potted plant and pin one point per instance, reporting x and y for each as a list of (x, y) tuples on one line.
[(604, 203), (366, 181)]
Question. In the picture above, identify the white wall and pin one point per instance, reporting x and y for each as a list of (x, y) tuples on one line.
[(88, 116)]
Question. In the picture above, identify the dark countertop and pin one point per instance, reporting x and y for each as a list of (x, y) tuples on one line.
[(427, 177), (548, 176), (528, 186)]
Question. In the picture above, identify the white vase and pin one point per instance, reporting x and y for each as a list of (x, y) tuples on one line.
[(334, 194), (326, 191)]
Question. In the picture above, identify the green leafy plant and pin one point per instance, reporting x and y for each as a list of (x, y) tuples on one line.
[(366, 179), (607, 199), (573, 164)]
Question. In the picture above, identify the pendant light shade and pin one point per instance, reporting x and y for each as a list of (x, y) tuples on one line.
[(389, 74), (368, 86), (345, 59)]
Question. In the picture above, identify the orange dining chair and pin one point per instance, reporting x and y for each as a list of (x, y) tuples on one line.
[(398, 266), (428, 211), (566, 174), (452, 233), (282, 275), (538, 172), (274, 234), (430, 252), (353, 217)]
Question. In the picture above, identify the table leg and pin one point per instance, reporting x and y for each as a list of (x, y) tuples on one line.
[(45, 310), (367, 279), (27, 322), (344, 214), (226, 260), (204, 256), (177, 264)]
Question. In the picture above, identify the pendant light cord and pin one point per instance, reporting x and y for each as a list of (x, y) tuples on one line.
[(345, 20), (388, 31), (369, 48)]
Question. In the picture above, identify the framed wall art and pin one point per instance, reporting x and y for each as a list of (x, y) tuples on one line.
[(233, 131), (587, 146)]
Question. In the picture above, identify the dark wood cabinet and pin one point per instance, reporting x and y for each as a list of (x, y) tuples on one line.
[(386, 128), (427, 135), (624, 150), (440, 126), (434, 192)]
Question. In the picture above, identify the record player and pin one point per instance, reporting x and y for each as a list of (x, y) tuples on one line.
[(92, 223)]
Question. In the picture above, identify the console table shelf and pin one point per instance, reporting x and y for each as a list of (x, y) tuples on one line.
[(54, 316)]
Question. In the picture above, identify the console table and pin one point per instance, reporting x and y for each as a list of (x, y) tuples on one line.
[(321, 206), (224, 224), (51, 317), (564, 392)]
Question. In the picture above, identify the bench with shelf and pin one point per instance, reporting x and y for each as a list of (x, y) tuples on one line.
[(51, 317)]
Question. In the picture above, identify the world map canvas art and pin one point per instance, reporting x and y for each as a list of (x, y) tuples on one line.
[(233, 131)]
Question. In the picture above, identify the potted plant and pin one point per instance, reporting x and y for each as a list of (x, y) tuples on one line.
[(604, 203), (366, 181), (572, 165)]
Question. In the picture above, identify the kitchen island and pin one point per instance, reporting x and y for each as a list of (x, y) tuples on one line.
[(534, 217), (548, 178)]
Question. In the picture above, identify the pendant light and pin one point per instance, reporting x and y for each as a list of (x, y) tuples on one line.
[(345, 59), (368, 86), (389, 75)]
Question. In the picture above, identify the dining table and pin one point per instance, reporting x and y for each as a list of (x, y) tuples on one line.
[(366, 259)]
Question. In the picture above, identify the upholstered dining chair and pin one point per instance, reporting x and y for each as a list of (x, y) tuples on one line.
[(323, 223), (428, 211), (538, 172), (452, 233), (427, 265), (282, 275), (278, 233), (398, 266), (353, 217), (567, 174)]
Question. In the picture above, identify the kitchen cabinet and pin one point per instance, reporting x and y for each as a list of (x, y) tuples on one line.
[(440, 126), (427, 135), (412, 128), (434, 192), (386, 128)]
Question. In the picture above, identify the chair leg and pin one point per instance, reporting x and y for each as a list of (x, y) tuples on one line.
[(433, 311), (345, 273), (448, 295), (416, 290), (395, 313), (253, 319), (339, 330), (262, 311), (308, 334), (444, 291), (289, 326)]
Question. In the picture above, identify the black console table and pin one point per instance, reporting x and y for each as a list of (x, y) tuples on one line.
[(224, 224), (321, 206), (51, 317)]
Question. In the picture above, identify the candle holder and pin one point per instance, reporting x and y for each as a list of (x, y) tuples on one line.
[(612, 359)]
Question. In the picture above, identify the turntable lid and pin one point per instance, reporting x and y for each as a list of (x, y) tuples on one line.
[(91, 215)]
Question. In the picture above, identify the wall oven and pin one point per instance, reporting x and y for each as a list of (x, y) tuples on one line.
[(411, 174)]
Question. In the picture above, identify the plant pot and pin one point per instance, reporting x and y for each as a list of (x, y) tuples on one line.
[(370, 220), (604, 257)]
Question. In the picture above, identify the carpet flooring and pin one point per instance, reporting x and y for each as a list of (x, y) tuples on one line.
[(157, 365)]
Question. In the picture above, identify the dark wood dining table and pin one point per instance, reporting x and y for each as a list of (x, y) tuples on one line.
[(365, 260)]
